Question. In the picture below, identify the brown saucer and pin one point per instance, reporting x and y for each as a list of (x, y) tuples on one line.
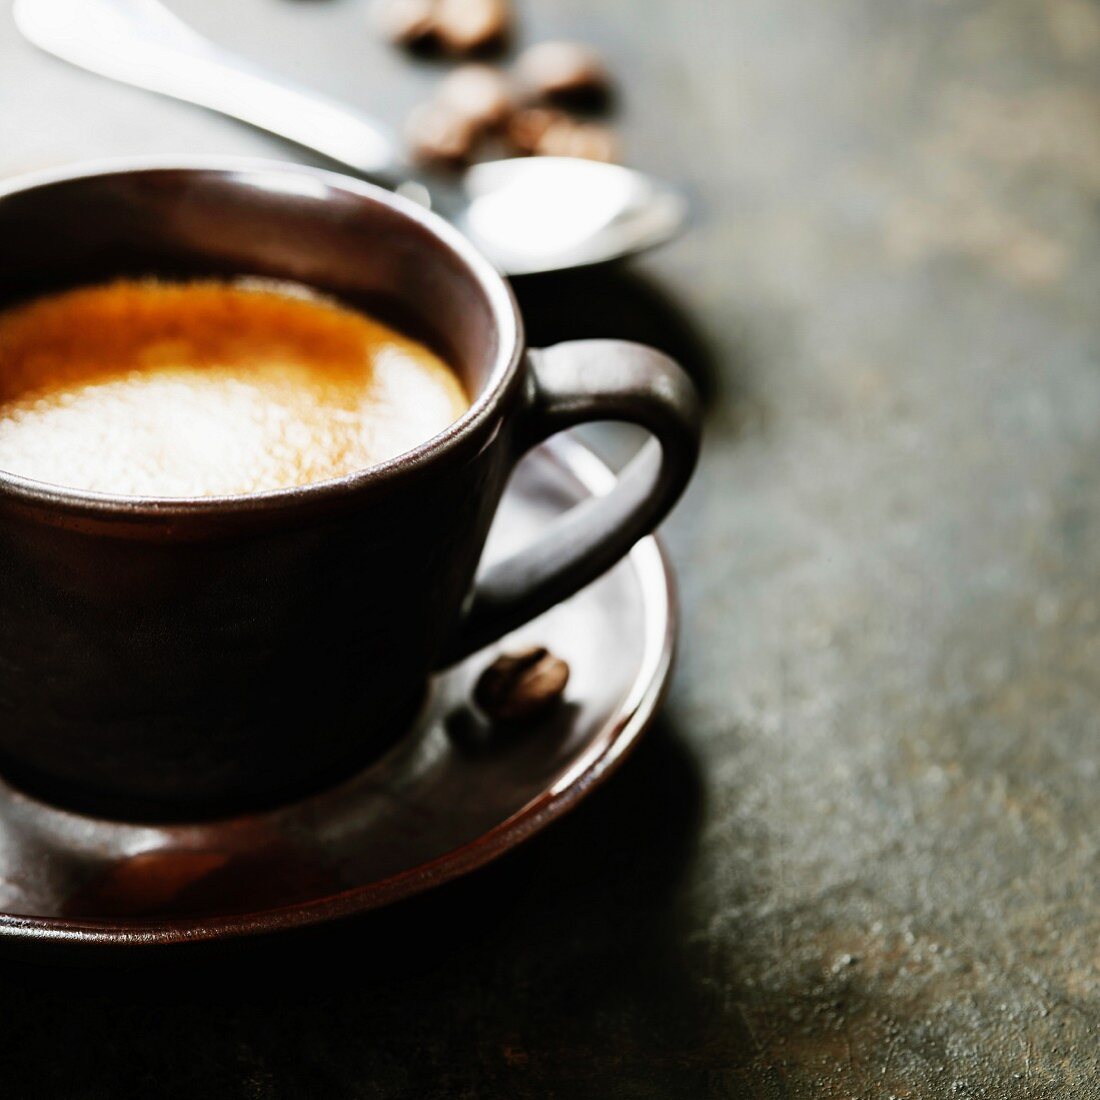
[(451, 796)]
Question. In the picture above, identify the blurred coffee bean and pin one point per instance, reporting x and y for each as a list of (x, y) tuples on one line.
[(479, 93), (563, 72), (440, 137), (526, 128), (472, 26), (407, 22), (570, 138), (545, 132)]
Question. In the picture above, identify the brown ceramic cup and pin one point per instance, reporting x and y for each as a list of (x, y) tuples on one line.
[(174, 658)]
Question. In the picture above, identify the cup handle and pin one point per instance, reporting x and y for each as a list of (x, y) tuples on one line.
[(570, 384)]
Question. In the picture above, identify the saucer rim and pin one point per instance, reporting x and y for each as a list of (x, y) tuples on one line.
[(608, 748)]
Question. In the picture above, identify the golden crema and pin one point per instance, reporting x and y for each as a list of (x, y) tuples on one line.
[(159, 389)]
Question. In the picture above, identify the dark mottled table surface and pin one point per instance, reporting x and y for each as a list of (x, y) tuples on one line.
[(859, 856)]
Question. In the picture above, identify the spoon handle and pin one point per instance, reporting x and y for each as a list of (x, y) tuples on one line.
[(140, 42)]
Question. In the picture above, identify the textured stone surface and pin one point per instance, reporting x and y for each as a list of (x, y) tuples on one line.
[(859, 856)]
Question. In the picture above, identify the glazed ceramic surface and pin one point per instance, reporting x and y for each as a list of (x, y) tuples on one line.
[(182, 658), (450, 796)]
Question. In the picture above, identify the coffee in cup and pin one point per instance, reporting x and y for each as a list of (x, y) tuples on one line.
[(179, 658), (210, 388)]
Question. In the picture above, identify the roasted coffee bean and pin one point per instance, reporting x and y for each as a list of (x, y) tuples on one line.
[(566, 137), (521, 685), (586, 140), (407, 22), (480, 93), (439, 136), (472, 26), (563, 72), (526, 128)]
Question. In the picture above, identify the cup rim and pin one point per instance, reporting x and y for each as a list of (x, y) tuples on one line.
[(502, 304)]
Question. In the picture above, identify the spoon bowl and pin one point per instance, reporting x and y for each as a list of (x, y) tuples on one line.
[(548, 213)]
